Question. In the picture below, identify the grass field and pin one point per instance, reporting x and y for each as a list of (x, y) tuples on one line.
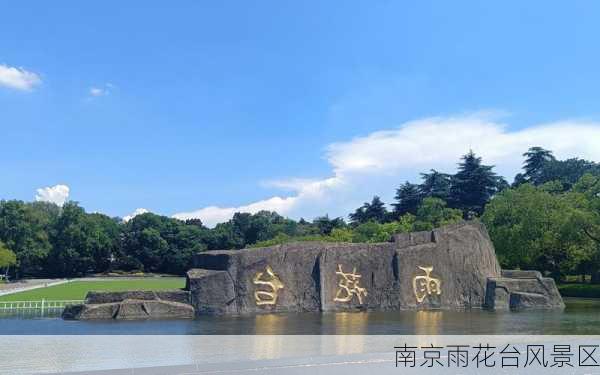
[(580, 290), (77, 290)]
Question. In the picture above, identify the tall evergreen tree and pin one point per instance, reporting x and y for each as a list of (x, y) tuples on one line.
[(473, 185), (326, 225), (409, 199), (536, 159), (435, 185), (374, 211)]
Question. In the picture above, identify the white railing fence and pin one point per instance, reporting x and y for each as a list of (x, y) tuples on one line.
[(42, 305)]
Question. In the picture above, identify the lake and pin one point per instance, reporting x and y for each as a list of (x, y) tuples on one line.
[(581, 316)]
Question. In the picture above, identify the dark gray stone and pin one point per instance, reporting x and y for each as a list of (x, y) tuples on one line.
[(130, 309), (213, 292), (296, 263), (72, 311), (91, 311), (462, 257), (520, 274), (524, 292), (447, 268), (144, 309), (375, 288), (452, 267), (128, 305), (175, 295), (524, 300)]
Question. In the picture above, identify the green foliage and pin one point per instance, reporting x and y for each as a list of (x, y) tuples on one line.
[(81, 243), (549, 220), (436, 185), (579, 290), (433, 213), (7, 257), (536, 160), (374, 211), (473, 185), (25, 229), (154, 243), (533, 228), (409, 198), (568, 172), (326, 225)]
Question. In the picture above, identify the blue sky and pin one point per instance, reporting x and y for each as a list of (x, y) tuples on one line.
[(178, 106)]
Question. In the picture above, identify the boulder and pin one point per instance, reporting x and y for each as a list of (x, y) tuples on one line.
[(358, 277), (91, 311), (446, 268), (460, 257), (129, 305), (234, 289), (175, 295), (524, 290), (214, 292), (143, 309)]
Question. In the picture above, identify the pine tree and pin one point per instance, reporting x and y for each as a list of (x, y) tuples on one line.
[(473, 185), (374, 211), (435, 185), (409, 199), (536, 160)]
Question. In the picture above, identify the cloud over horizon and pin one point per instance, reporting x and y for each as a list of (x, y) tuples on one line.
[(377, 163), (136, 212), (18, 78), (57, 194), (103, 90)]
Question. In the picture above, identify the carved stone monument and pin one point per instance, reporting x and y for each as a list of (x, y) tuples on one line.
[(452, 267)]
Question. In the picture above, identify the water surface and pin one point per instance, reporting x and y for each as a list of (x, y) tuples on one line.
[(582, 316)]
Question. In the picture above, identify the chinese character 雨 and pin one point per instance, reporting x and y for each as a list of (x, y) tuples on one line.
[(424, 286), (348, 286), (263, 297)]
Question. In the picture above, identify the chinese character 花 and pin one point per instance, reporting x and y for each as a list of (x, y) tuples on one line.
[(348, 286)]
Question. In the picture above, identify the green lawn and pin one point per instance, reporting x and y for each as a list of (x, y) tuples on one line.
[(580, 290), (77, 290)]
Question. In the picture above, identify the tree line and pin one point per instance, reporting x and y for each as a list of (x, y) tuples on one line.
[(547, 219)]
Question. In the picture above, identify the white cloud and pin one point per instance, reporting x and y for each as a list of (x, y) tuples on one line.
[(95, 91), (137, 211), (18, 78), (57, 194), (103, 90), (213, 215), (378, 162)]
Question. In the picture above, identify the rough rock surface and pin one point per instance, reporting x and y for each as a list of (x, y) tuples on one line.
[(522, 289), (462, 257), (447, 268), (130, 305), (453, 267), (175, 295)]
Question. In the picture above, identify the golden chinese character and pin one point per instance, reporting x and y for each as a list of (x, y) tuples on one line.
[(265, 297), (348, 286), (426, 285)]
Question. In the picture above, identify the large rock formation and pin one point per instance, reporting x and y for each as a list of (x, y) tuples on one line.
[(129, 305), (521, 290), (453, 267), (449, 268)]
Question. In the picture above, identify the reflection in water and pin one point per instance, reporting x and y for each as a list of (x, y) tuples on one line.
[(580, 317), (428, 322), (269, 324), (268, 346), (351, 323)]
